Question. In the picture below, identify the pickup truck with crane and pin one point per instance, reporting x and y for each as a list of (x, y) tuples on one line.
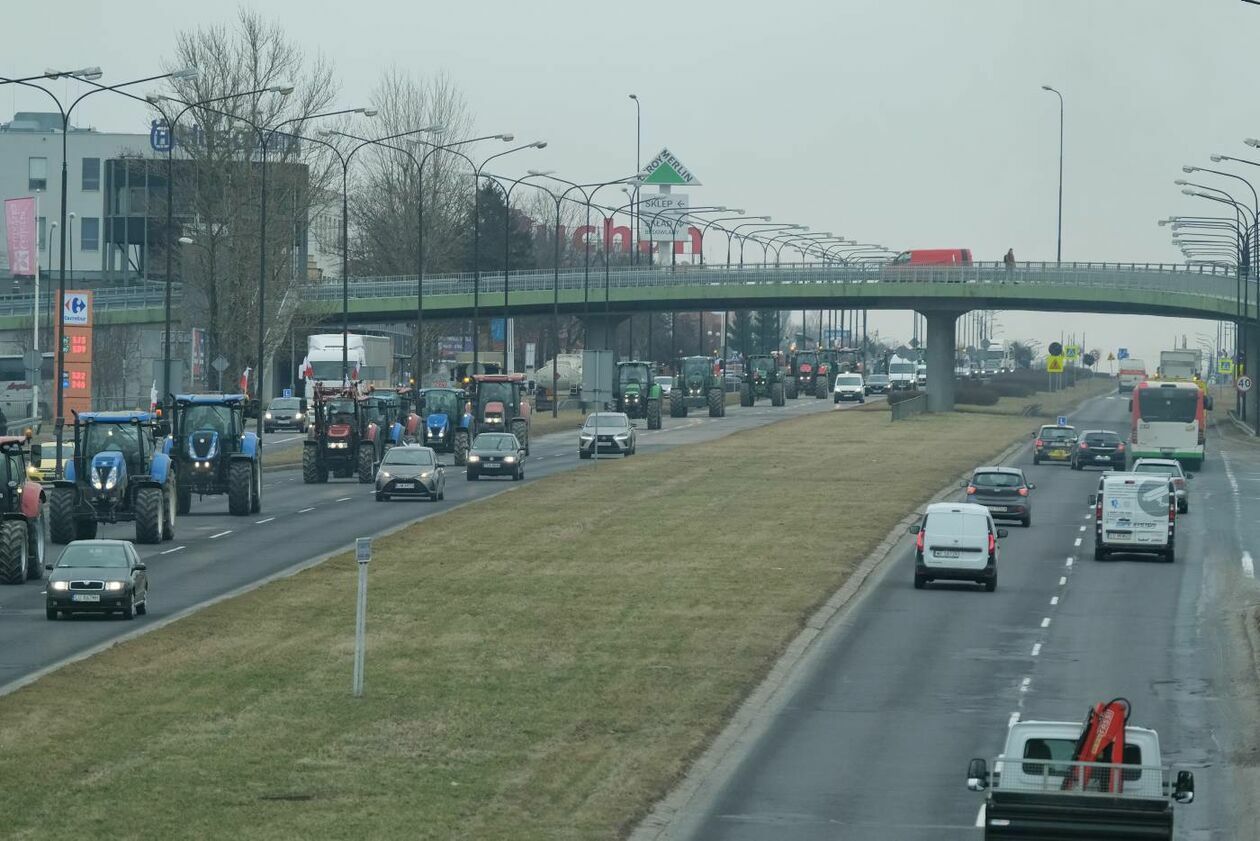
[(1057, 781)]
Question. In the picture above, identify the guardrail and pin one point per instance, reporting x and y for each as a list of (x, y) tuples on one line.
[(903, 409)]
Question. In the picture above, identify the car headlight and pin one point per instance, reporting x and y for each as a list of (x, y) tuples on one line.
[(114, 586), (61, 586), (297, 415), (585, 437), (96, 480), (509, 459), (112, 479), (267, 416), (622, 436), (426, 475), (384, 474), (33, 472), (474, 459)]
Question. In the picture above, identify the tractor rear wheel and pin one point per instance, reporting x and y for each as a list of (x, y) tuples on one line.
[(13, 554), (520, 428), (776, 394), (677, 405), (312, 471), (717, 403), (36, 530), (460, 447), (654, 413), (255, 503), (746, 397), (149, 515), (367, 461), (820, 388), (183, 496), (168, 524), (790, 389), (240, 484), (61, 510)]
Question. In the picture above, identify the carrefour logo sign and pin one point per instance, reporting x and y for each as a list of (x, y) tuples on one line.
[(75, 310)]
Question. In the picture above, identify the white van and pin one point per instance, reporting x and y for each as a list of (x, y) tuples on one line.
[(849, 387), (956, 541), (1135, 512)]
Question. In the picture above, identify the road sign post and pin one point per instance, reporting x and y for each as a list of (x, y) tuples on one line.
[(362, 554)]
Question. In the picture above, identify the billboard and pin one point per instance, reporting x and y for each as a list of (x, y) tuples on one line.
[(76, 345), (20, 231)]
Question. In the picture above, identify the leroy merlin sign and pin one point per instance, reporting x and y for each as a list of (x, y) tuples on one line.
[(666, 170)]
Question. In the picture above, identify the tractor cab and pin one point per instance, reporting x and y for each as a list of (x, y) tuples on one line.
[(441, 412), (762, 378), (215, 452), (761, 366), (697, 384), (345, 439), (693, 374), (206, 424)]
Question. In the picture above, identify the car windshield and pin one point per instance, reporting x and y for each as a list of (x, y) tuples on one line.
[(112, 437), (495, 393), (696, 369), (1163, 469), (901, 368), (848, 379), (763, 365), (340, 410), (1101, 438), (409, 455), (441, 403), (664, 380), (374, 411), (878, 379), (997, 480), (1058, 433), (286, 403), (215, 418), (806, 359), (633, 374), (606, 421), (495, 442), (78, 555)]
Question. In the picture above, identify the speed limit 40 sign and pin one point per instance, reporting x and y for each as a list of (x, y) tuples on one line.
[(1244, 383)]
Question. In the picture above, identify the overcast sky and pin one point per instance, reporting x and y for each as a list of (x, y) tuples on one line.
[(916, 123)]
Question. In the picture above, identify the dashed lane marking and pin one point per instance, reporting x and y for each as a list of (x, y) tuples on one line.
[(1036, 649), (346, 498), (260, 522), (1062, 580), (1054, 600), (304, 510), (1024, 684), (1249, 568), (169, 551), (1077, 542), (1045, 622), (1069, 561), (220, 534)]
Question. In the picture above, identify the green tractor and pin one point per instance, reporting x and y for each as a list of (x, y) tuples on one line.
[(636, 392), (696, 384), (762, 378)]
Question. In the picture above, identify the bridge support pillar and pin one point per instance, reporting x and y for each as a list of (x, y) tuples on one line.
[(601, 331), (940, 360), (1251, 364)]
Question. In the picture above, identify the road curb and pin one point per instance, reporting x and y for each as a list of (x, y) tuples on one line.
[(703, 780)]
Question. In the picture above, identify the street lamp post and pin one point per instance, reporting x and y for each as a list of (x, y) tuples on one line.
[(638, 165), (1058, 251)]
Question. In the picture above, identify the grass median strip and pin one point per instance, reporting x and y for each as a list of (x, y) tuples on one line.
[(540, 666)]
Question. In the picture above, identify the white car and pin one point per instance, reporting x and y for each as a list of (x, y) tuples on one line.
[(956, 541), (1171, 468), (849, 387), (666, 384)]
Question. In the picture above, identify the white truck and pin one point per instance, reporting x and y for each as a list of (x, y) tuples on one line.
[(1132, 371), (1059, 780), (370, 360), (1135, 512), (901, 374), (1180, 364)]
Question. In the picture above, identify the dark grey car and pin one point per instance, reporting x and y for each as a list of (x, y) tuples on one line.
[(496, 454), (285, 413), (98, 576), (1002, 490)]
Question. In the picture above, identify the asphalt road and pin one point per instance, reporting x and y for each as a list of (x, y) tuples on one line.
[(214, 553), (873, 737)]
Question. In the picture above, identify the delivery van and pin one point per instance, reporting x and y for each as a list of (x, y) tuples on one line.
[(1135, 512)]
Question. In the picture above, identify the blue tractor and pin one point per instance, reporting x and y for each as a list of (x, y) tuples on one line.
[(447, 421), (121, 472), (214, 453)]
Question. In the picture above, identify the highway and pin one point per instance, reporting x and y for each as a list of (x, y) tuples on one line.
[(871, 737), (214, 553)]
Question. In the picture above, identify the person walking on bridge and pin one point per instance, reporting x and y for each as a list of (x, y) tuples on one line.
[(1009, 261)]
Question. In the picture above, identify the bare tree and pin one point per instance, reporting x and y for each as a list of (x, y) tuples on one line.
[(115, 361), (220, 185)]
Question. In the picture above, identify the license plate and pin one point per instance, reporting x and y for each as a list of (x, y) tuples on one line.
[(1058, 454), (1121, 535), (945, 553), (85, 597), (404, 485), (1102, 458), (1000, 509)]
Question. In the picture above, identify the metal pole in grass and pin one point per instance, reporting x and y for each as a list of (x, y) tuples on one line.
[(362, 554)]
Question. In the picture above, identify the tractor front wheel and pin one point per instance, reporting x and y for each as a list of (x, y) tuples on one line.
[(149, 515), (820, 388), (13, 555), (677, 404), (460, 447), (717, 403), (654, 413), (312, 471), (520, 428), (240, 483), (61, 508), (746, 397), (255, 503), (168, 524), (790, 389), (183, 497), (367, 460), (35, 548), (776, 394)]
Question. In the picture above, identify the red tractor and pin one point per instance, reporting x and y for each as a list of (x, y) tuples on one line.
[(344, 438), (21, 515), (497, 403)]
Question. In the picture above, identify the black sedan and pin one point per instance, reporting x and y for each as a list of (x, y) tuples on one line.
[(1003, 491), (1099, 448), (98, 576), (496, 454), (410, 470), (876, 384)]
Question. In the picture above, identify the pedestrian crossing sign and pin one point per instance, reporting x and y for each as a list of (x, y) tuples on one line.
[(1225, 365)]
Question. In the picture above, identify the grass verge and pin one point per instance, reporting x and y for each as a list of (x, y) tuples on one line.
[(540, 666), (1045, 404)]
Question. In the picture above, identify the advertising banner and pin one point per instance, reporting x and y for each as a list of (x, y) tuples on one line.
[(22, 236)]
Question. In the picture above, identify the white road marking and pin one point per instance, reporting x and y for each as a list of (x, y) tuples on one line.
[(1036, 649), (304, 510), (1045, 622), (1069, 561), (1082, 528), (980, 817), (1062, 580), (1087, 516), (220, 534), (260, 522), (1249, 568), (1054, 600), (345, 498), (1024, 684), (1078, 542), (169, 551)]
